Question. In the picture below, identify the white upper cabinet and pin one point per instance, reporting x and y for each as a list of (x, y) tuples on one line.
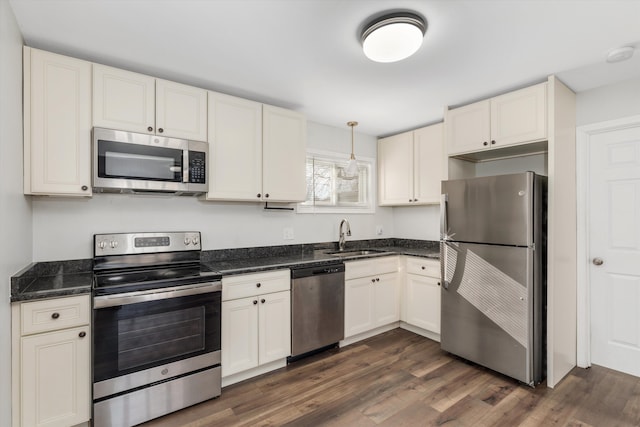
[(181, 111), (284, 147), (410, 167), (519, 116), (468, 128), (235, 148), (514, 118), (134, 102), (257, 152), (123, 100), (57, 124)]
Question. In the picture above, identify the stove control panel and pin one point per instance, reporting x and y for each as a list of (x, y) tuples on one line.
[(142, 243)]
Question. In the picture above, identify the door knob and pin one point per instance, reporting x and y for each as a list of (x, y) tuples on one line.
[(598, 261)]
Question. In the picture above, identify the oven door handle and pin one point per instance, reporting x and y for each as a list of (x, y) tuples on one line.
[(127, 298)]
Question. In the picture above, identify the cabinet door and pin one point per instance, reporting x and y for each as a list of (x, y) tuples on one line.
[(57, 124), (387, 299), (239, 339), (428, 158), (467, 128), (520, 116), (274, 326), (358, 306), (395, 170), (181, 111), (123, 100), (284, 136), (56, 378), (423, 302), (235, 148)]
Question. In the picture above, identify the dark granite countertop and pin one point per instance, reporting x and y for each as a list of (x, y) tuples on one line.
[(52, 279), (65, 278), (251, 260)]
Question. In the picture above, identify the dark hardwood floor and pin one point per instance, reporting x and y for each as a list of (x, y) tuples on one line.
[(402, 379)]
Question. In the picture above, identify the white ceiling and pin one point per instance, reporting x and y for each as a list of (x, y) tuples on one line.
[(305, 54)]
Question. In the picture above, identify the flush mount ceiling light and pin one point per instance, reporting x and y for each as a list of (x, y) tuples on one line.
[(393, 37), (620, 54)]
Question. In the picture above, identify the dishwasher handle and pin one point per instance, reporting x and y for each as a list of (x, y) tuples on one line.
[(299, 273)]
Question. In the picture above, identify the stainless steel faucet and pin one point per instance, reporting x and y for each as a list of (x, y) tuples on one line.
[(341, 234)]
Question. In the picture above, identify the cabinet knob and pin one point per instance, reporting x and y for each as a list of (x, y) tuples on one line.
[(415, 200), (258, 284), (150, 129), (263, 300), (84, 188), (160, 130), (438, 283), (82, 334), (493, 141), (373, 280), (255, 301), (377, 279), (55, 315), (266, 195), (485, 143), (259, 195), (423, 267)]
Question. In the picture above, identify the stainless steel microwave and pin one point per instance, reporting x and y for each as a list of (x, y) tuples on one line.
[(126, 162)]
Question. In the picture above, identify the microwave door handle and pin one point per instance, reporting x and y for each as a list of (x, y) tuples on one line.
[(185, 165)]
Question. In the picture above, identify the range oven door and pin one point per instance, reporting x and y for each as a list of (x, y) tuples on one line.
[(143, 338)]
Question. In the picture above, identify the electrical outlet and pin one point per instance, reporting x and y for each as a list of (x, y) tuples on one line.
[(287, 233), (379, 230)]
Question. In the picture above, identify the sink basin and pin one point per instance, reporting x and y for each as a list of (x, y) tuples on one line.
[(356, 252)]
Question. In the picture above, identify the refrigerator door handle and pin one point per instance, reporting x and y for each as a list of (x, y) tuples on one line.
[(443, 265), (444, 199)]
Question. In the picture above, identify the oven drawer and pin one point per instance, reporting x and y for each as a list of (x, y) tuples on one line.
[(247, 285), (54, 314)]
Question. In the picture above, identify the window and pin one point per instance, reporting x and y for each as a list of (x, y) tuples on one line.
[(329, 190)]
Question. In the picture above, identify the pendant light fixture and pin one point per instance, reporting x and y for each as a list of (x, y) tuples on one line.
[(393, 36), (352, 167)]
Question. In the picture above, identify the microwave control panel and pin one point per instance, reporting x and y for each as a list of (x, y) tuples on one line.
[(197, 172)]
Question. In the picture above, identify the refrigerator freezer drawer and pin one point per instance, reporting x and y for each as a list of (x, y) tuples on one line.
[(492, 308)]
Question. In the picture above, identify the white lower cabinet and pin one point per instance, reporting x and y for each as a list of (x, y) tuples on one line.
[(256, 320), (421, 301), (52, 359), (371, 294)]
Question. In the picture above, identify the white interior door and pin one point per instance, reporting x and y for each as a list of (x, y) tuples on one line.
[(614, 236)]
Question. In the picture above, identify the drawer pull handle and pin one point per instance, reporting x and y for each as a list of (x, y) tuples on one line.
[(55, 315), (82, 334)]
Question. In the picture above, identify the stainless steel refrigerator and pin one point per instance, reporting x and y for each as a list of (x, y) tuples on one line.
[(493, 261)]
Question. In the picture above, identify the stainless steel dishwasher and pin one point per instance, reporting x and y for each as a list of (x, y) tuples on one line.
[(317, 308)]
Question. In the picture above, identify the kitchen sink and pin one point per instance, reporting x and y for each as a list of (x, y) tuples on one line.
[(357, 252)]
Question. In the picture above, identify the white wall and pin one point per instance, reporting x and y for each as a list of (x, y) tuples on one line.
[(417, 222), (608, 102), (63, 227), (15, 209)]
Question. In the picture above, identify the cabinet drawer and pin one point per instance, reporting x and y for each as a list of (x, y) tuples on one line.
[(246, 285), (53, 314), (370, 267), (423, 267)]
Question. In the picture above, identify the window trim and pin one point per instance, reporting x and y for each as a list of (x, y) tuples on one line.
[(332, 155)]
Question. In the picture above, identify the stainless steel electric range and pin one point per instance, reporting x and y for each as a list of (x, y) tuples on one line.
[(156, 326)]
